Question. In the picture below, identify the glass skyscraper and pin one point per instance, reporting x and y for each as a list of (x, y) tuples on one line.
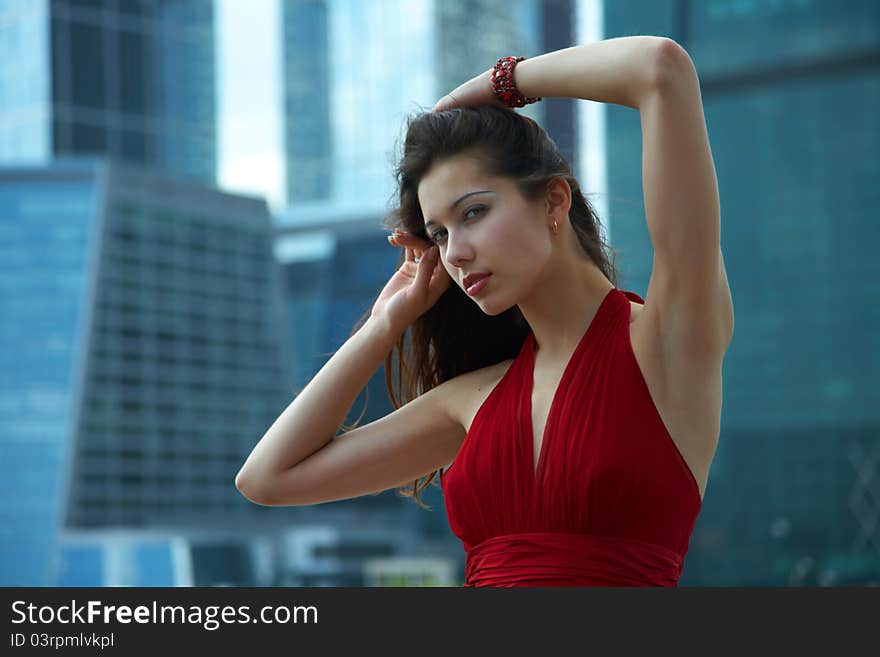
[(344, 102), (46, 236), (133, 80), (354, 69), (308, 139), (142, 316), (791, 92)]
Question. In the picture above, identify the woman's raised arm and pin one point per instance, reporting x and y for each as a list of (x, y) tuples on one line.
[(622, 71)]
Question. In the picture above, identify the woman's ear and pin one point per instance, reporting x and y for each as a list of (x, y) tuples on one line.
[(558, 197)]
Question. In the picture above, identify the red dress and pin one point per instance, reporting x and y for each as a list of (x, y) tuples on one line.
[(612, 503)]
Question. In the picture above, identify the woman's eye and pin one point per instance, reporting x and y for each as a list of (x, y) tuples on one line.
[(479, 209)]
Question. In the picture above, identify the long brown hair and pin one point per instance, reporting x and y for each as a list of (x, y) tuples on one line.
[(508, 144)]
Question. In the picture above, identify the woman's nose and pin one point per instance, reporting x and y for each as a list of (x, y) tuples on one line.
[(457, 251)]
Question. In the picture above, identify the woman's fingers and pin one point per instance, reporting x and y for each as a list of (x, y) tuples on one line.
[(409, 256), (426, 267), (447, 102), (473, 93), (413, 245)]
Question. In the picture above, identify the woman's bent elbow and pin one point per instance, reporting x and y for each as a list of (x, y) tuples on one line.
[(253, 493)]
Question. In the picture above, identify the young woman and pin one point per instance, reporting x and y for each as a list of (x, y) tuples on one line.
[(580, 421)]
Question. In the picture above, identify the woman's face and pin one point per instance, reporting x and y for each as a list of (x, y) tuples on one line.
[(495, 231)]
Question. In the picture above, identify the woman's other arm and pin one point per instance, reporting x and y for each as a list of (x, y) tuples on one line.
[(301, 460), (314, 417)]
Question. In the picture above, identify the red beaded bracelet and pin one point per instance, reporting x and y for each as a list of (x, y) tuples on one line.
[(503, 86)]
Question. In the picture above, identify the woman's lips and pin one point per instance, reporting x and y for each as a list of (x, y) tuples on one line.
[(475, 288)]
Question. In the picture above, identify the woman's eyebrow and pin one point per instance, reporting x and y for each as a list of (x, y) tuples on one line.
[(452, 207)]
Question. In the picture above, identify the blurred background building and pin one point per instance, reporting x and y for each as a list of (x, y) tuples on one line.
[(160, 319), (134, 79)]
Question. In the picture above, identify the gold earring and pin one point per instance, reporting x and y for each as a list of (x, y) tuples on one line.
[(555, 228)]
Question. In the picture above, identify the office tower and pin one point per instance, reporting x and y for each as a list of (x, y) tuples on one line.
[(143, 315), (308, 136), (344, 61), (132, 80), (791, 95), (353, 70)]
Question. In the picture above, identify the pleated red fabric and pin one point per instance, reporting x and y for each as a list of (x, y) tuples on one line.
[(611, 502)]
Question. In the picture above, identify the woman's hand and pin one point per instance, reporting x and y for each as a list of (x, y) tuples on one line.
[(473, 93), (415, 286)]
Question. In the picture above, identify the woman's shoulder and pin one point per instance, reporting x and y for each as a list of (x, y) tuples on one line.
[(468, 382), (466, 392)]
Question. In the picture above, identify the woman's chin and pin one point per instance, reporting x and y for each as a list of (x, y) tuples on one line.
[(491, 307)]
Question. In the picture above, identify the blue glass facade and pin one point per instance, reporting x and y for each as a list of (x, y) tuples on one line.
[(374, 46), (119, 563), (132, 80), (353, 70), (791, 93), (48, 234), (307, 129), (144, 319), (25, 88), (184, 81)]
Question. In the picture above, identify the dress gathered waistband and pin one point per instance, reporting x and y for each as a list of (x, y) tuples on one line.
[(570, 559)]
